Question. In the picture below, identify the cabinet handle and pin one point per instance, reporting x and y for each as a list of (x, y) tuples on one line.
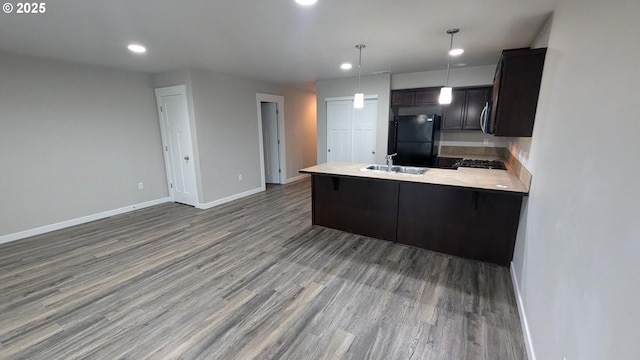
[(373, 152), (329, 150)]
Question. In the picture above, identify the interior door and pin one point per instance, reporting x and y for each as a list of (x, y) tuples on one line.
[(339, 133), (270, 142), (364, 132), (176, 139)]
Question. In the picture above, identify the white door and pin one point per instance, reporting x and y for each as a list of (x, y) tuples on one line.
[(364, 132), (351, 133), (339, 132), (270, 142), (176, 140)]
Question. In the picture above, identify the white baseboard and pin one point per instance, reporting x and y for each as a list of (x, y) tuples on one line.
[(80, 220), (523, 316), (211, 204), (296, 178)]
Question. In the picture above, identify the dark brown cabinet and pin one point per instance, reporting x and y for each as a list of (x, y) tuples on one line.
[(466, 106), (415, 97), (465, 222), (453, 114), (427, 96), (476, 101), (515, 92), (403, 98), (360, 206)]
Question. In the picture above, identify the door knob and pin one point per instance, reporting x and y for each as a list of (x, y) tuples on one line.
[(186, 158)]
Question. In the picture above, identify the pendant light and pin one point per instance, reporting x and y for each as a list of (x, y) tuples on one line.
[(446, 91), (358, 99)]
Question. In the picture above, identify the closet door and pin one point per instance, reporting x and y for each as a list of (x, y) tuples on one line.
[(364, 132), (339, 133)]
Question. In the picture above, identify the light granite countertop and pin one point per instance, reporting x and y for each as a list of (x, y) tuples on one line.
[(486, 179)]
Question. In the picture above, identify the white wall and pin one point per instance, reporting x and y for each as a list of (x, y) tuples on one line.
[(226, 130), (76, 140), (578, 246), (370, 85)]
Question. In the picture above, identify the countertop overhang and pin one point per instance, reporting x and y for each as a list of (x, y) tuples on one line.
[(482, 179)]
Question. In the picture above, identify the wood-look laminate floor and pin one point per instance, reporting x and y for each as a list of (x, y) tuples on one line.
[(251, 279)]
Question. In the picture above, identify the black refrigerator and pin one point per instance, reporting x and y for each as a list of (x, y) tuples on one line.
[(411, 137)]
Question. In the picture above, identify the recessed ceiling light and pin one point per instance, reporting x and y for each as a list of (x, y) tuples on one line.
[(456, 52), (137, 48), (306, 2), (346, 66)]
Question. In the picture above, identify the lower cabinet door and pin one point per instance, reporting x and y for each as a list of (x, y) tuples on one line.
[(467, 223), (359, 206)]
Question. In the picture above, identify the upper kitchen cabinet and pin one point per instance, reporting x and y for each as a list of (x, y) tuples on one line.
[(465, 109), (515, 92), (403, 98), (427, 96), (415, 97), (453, 114)]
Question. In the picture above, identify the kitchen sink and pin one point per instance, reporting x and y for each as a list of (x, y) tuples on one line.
[(397, 169), (377, 167)]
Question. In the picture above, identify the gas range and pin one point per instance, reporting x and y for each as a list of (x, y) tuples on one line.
[(482, 164)]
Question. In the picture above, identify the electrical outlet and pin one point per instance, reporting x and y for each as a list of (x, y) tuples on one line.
[(140, 186), (240, 177), (486, 141)]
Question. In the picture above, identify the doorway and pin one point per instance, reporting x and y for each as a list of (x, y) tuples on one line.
[(271, 128), (175, 127)]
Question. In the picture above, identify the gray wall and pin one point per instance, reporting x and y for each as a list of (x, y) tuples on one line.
[(577, 251), (370, 85), (465, 76), (225, 127), (76, 140)]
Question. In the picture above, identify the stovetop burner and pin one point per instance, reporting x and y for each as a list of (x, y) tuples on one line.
[(483, 164)]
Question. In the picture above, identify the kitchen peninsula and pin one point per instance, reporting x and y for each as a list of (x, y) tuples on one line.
[(471, 213)]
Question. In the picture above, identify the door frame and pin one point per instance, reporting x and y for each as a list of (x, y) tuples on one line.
[(279, 100), (169, 91)]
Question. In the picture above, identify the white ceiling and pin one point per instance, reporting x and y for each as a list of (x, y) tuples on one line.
[(275, 40)]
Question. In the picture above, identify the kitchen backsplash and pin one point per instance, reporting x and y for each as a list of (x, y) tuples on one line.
[(472, 150), (512, 162)]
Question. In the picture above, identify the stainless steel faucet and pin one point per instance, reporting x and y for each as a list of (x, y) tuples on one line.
[(390, 161)]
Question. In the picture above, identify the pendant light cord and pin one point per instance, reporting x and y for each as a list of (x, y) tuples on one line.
[(450, 32), (449, 59), (359, 63)]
